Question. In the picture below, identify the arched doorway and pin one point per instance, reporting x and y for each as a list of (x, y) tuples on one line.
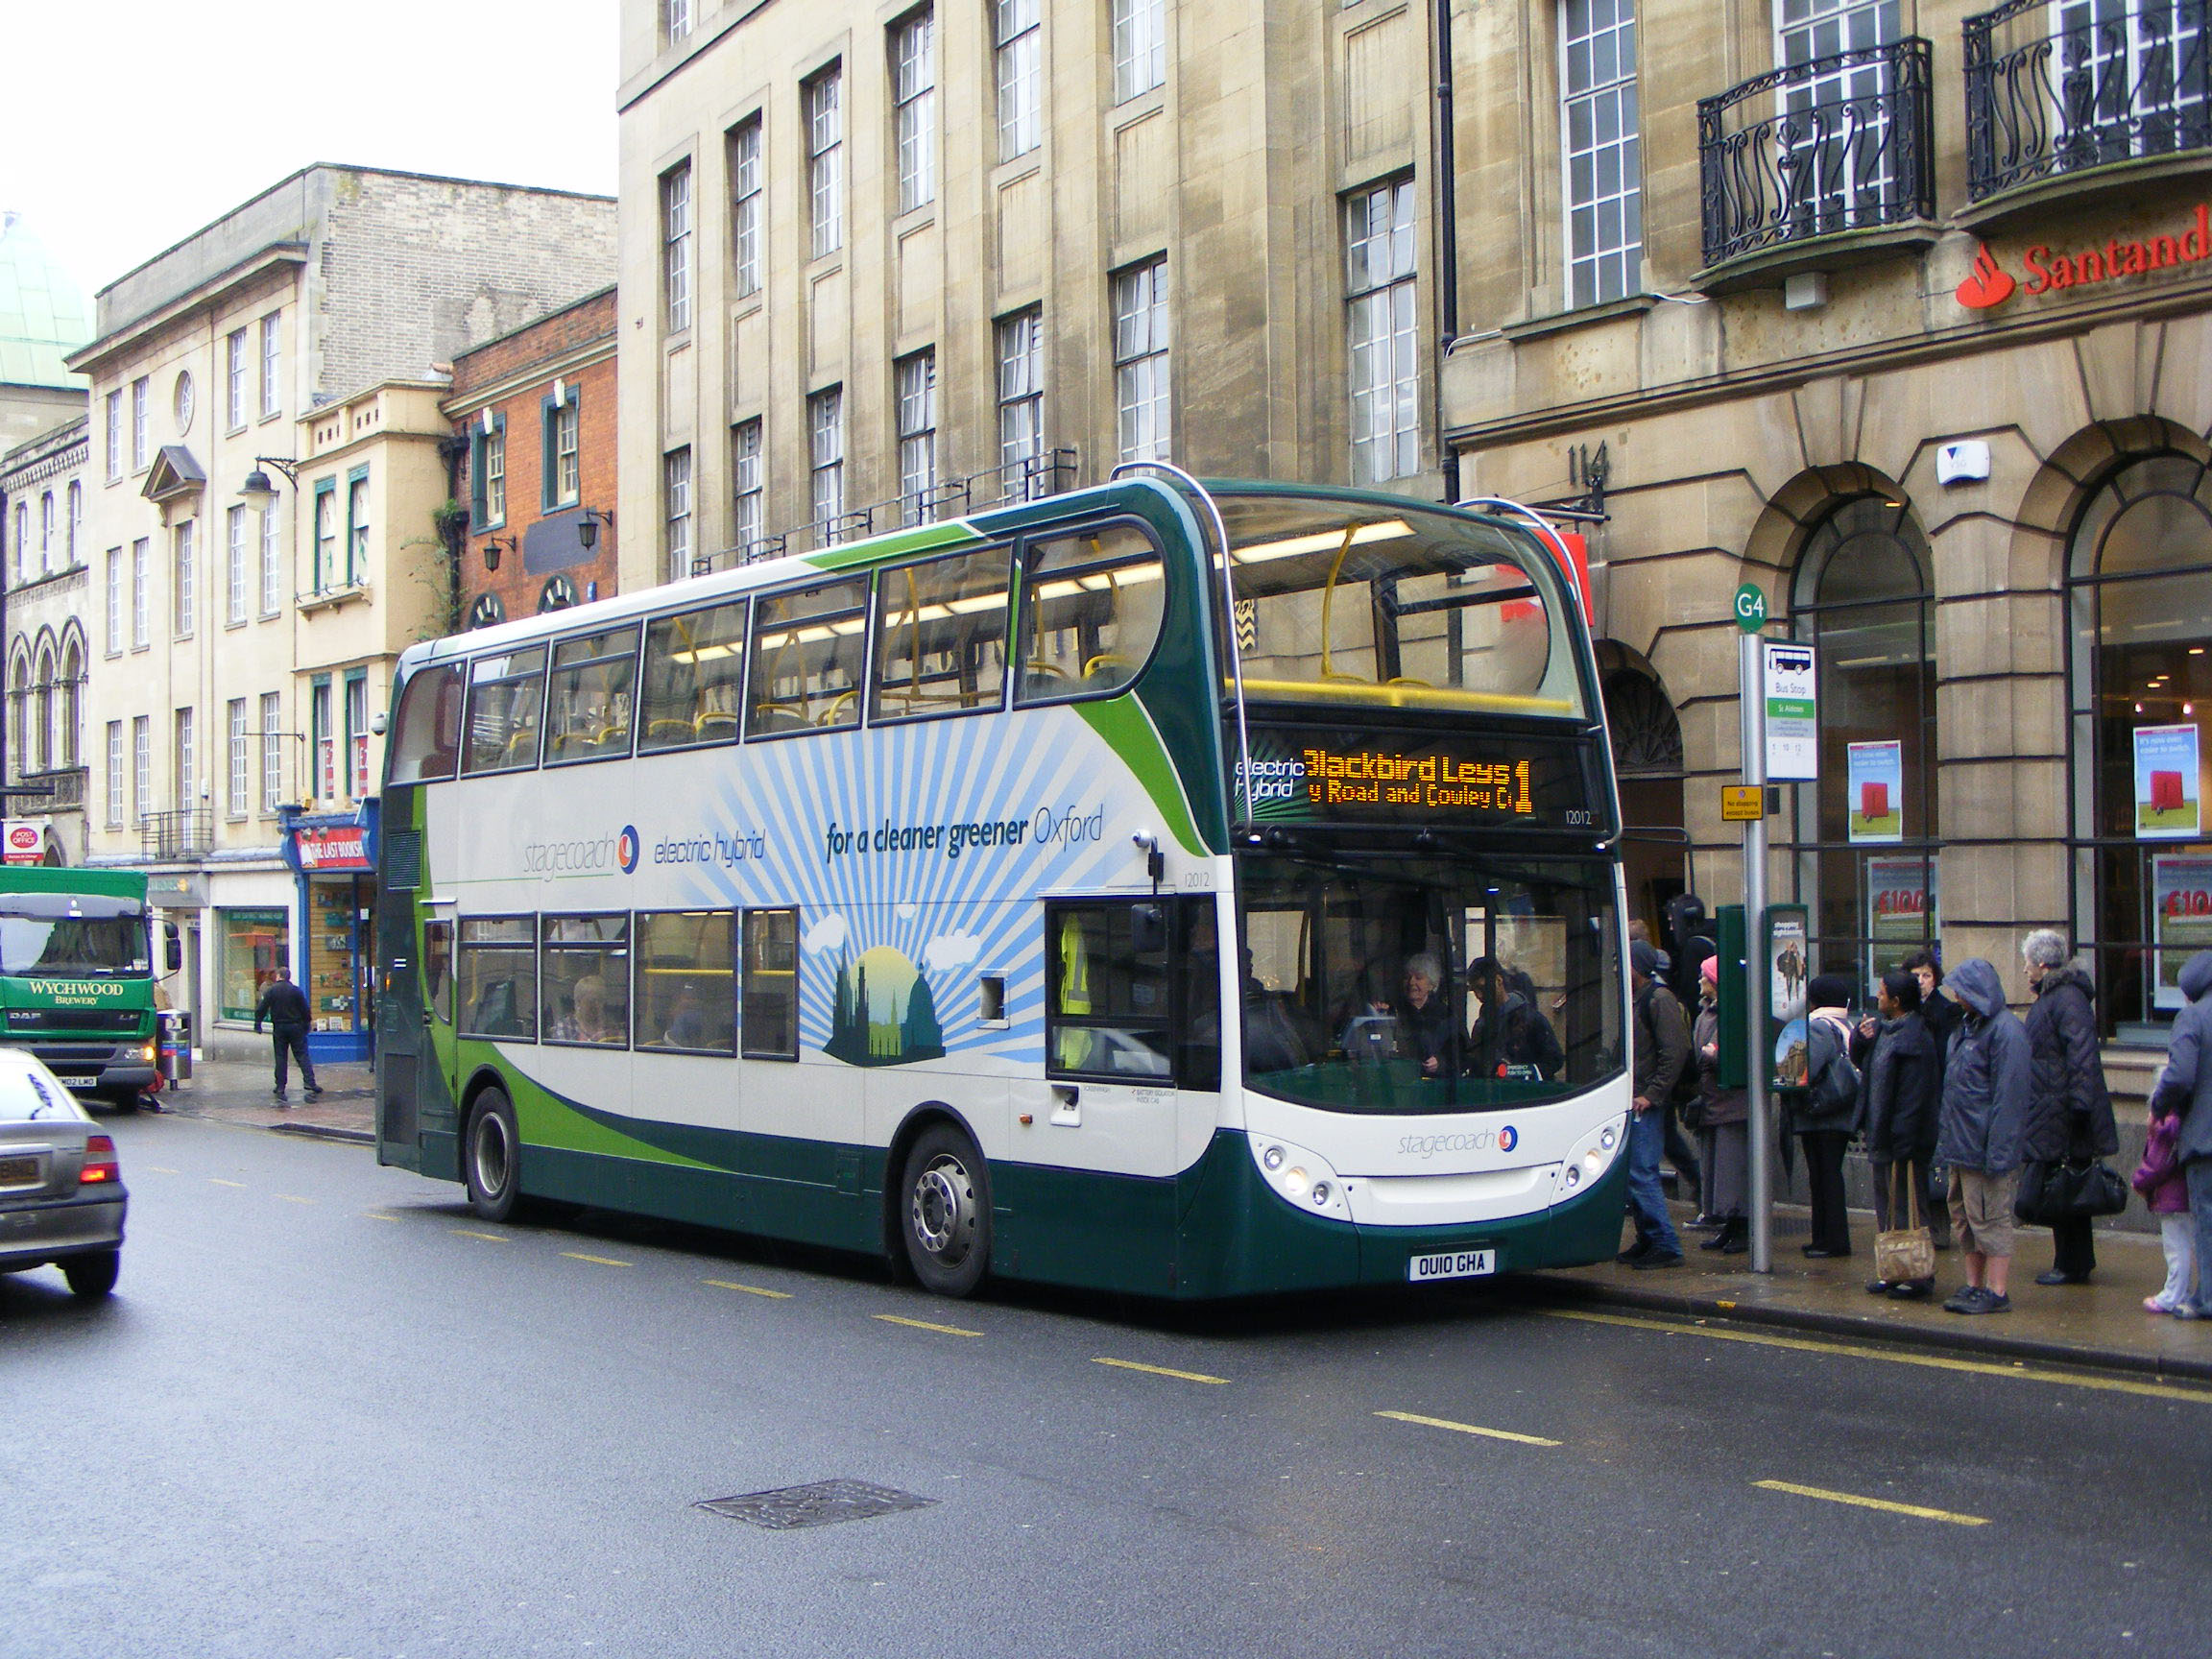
[(1866, 834), (1647, 760), (2139, 606)]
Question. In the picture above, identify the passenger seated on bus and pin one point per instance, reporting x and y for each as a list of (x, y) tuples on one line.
[(1511, 1040), (585, 1021), (691, 1026)]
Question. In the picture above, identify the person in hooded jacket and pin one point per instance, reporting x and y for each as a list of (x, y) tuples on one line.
[(2184, 1090), (2069, 1112), (1725, 1112), (1898, 1097), (1987, 1078), (1942, 1015), (1823, 1128)]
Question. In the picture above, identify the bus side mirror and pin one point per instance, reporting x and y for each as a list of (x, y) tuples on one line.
[(171, 948)]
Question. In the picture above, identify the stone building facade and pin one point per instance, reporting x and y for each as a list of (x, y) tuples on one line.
[(263, 524), (884, 262), (534, 422), (43, 561), (1873, 306)]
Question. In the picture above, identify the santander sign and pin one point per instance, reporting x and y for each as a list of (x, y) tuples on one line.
[(1990, 284)]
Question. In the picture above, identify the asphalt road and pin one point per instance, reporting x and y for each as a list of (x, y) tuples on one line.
[(330, 1413)]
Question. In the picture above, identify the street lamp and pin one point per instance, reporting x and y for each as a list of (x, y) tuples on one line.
[(257, 492), (588, 531), (492, 548)]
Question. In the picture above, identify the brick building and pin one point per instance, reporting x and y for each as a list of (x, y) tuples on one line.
[(535, 409)]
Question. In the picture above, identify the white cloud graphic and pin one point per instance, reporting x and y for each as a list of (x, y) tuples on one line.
[(949, 952), (827, 934)]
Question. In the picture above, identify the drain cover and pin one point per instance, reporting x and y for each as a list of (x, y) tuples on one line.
[(819, 1504)]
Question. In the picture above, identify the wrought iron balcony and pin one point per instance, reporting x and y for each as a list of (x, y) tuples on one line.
[(189, 834), (1840, 143), (2103, 80)]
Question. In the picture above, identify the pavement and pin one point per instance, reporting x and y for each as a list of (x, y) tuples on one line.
[(2100, 1324)]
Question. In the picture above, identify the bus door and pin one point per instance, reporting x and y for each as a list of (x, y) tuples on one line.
[(1132, 1019), (403, 1046)]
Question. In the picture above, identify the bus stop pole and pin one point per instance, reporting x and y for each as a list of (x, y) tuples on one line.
[(1756, 970)]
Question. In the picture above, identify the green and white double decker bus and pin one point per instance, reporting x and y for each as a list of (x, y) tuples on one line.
[(1187, 890)]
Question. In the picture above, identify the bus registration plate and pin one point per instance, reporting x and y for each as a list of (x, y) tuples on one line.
[(1452, 1264)]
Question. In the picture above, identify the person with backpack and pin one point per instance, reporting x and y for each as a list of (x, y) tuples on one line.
[(1661, 1052), (1987, 1078), (2069, 1110), (1822, 1120)]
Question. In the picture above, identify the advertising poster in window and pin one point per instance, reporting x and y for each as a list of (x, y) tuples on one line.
[(1787, 959), (2166, 787), (1900, 910), (2181, 921), (1875, 790)]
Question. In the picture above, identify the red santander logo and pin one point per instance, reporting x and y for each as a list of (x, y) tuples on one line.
[(1987, 284)]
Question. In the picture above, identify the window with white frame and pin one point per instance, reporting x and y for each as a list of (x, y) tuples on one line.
[(822, 98), (917, 397), (141, 766), (19, 554), (236, 797), (675, 21), (357, 530), (141, 391), (76, 521), (914, 100), (1020, 61), (183, 589), (676, 246), (745, 207), (235, 366), (745, 485), (114, 435), (113, 637), (46, 528), (187, 774), (1020, 396), (568, 464), (357, 737), (271, 568), (322, 737), (492, 451), (676, 511), (114, 774), (234, 584), (1139, 46), (141, 593), (271, 750), (825, 460), (326, 534), (270, 334), (1141, 382), (1383, 332), (1603, 150)]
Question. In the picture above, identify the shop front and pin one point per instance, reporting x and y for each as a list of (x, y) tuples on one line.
[(333, 856)]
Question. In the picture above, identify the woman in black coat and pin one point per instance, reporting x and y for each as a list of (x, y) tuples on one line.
[(1899, 1094), (2069, 1112)]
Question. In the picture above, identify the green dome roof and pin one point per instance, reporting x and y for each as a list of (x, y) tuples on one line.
[(43, 315)]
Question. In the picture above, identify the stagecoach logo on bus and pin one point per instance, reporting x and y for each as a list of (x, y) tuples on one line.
[(590, 854), (1503, 1139)]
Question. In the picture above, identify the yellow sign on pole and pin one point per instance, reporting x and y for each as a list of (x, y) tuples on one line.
[(1742, 803)]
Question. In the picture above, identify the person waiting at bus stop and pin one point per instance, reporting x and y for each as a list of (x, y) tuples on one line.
[(1661, 1051), (285, 1007)]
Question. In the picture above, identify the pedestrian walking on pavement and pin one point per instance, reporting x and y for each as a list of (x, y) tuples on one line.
[(285, 1009), (1822, 1120), (2069, 1112), (2164, 1183), (1987, 1078), (1723, 1113), (1898, 1101), (2183, 1093), (1661, 1051)]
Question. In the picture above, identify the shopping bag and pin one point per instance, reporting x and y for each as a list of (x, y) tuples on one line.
[(1905, 1253)]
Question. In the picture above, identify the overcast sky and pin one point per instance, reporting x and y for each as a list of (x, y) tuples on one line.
[(127, 125)]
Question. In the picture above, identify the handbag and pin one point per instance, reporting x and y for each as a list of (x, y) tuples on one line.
[(2054, 1193), (1903, 1254)]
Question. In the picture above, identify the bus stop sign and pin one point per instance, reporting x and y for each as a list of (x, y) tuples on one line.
[(1750, 608)]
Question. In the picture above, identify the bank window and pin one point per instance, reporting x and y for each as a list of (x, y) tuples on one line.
[(1603, 150), (503, 696), (771, 985), (588, 700), (941, 635), (694, 673), (808, 645), (1132, 991), (688, 981), (1090, 610), (426, 739), (499, 977), (585, 982)]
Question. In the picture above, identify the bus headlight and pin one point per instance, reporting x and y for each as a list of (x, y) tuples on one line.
[(1574, 1174), (1272, 1158), (1593, 1154), (1300, 1177), (1294, 1182)]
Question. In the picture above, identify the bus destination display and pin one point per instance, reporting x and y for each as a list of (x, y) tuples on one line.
[(1466, 780)]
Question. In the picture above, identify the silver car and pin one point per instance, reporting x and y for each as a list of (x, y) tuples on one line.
[(62, 1198)]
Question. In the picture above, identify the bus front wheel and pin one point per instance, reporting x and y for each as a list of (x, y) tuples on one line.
[(945, 1214), (493, 1166)]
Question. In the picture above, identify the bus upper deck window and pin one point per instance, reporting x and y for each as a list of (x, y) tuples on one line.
[(504, 692), (941, 635), (425, 743), (588, 701), (809, 656), (694, 669), (1090, 611)]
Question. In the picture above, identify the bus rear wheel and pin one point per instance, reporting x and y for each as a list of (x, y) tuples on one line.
[(945, 1212), (491, 1160)]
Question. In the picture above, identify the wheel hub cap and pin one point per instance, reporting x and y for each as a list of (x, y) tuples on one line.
[(944, 1210)]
